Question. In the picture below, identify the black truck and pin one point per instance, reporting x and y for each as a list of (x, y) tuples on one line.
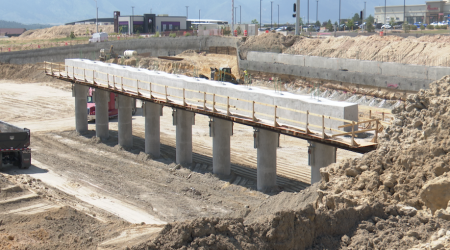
[(14, 143)]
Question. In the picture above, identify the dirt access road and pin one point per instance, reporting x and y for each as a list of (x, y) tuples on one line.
[(126, 188)]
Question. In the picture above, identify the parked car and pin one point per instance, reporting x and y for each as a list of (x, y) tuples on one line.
[(418, 24), (386, 26), (378, 25), (343, 27)]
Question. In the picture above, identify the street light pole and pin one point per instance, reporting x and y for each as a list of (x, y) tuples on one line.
[(317, 11), (271, 12), (240, 14), (260, 22), (187, 12), (404, 11), (339, 14), (297, 19), (384, 22), (278, 16), (235, 16), (132, 19), (96, 20), (308, 14)]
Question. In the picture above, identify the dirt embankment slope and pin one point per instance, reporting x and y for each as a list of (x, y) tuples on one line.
[(64, 31), (393, 198), (426, 50)]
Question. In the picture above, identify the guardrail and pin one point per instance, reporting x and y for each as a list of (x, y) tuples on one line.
[(116, 83)]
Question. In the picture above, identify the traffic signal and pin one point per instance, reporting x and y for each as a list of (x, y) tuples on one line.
[(294, 15), (295, 7), (361, 15)]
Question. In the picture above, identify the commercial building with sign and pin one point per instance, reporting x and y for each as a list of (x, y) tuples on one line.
[(148, 23), (432, 11)]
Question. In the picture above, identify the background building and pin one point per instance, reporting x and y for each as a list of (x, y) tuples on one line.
[(150, 23), (431, 11)]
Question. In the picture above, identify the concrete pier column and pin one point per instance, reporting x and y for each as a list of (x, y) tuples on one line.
[(81, 122), (320, 156), (125, 121), (184, 121), (266, 143), (221, 131), (152, 128), (101, 113)]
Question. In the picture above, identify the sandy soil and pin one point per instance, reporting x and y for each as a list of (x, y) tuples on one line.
[(126, 186)]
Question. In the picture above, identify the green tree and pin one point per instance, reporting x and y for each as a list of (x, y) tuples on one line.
[(336, 23), (254, 21), (72, 35), (392, 22), (239, 30), (406, 28), (422, 27), (329, 26), (317, 24), (369, 27), (300, 21), (370, 19), (356, 18), (350, 24)]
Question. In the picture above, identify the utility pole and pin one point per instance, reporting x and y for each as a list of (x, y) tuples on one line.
[(278, 16), (271, 12), (235, 15), (132, 20), (317, 11), (297, 20), (187, 12)]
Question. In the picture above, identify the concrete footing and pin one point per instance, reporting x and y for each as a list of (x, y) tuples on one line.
[(266, 143), (152, 113), (221, 131), (183, 120), (81, 122), (320, 156), (125, 121), (101, 114)]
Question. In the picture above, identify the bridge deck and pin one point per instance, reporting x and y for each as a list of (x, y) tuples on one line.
[(341, 139)]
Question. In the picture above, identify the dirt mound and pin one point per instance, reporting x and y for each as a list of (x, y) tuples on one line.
[(25, 72), (426, 50), (270, 42), (188, 52), (64, 31), (376, 201)]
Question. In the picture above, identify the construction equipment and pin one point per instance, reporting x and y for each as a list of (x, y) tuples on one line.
[(106, 56), (223, 74), (14, 143)]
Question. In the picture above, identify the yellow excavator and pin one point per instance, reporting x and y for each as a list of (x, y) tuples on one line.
[(104, 56), (223, 74)]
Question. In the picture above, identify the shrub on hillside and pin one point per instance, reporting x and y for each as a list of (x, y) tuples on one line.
[(413, 27), (430, 27), (173, 35)]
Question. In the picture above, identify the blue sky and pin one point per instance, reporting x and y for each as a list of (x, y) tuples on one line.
[(63, 11)]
